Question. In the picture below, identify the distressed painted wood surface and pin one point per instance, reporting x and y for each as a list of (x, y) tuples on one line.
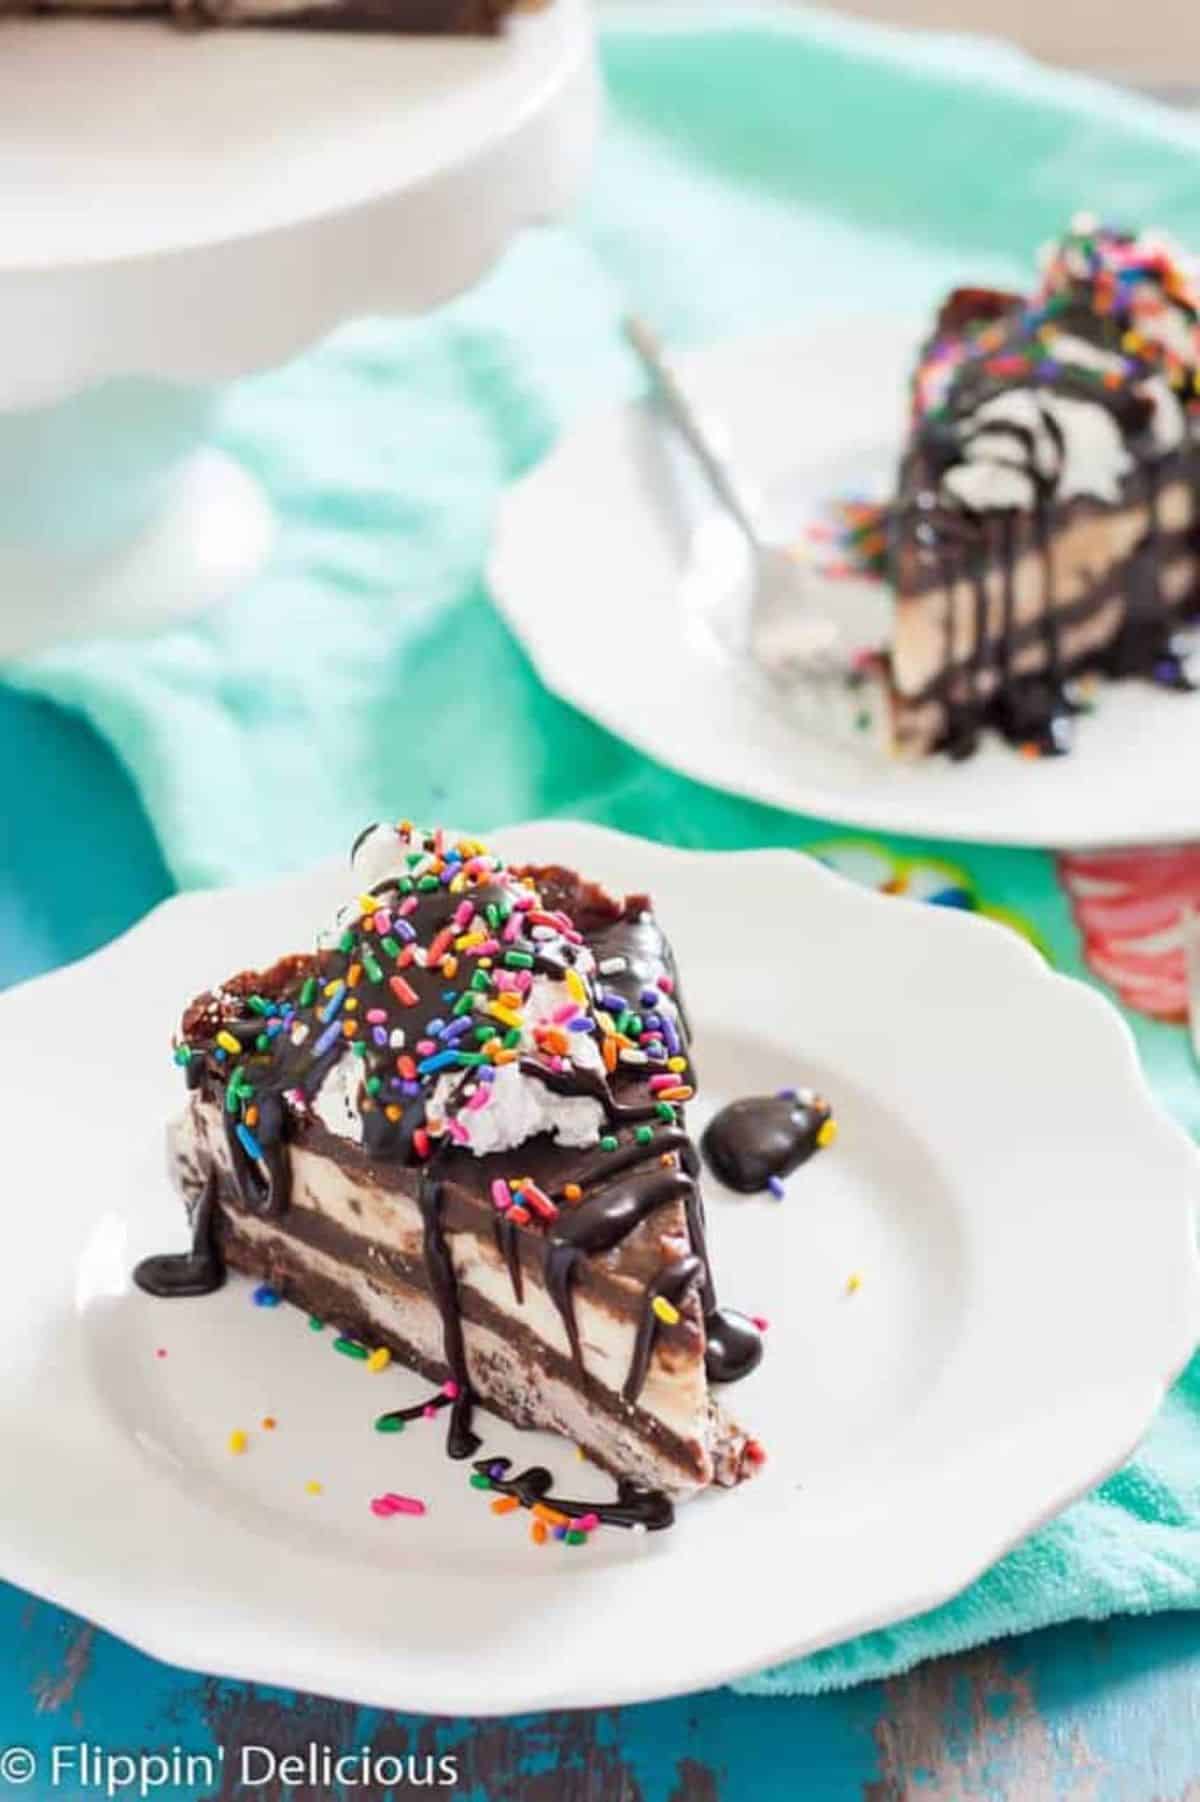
[(1086, 1713), (1079, 1714)]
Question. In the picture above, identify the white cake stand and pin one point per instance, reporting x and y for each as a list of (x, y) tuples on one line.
[(179, 209)]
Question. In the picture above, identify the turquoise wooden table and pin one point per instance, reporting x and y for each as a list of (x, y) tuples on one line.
[(1086, 1713)]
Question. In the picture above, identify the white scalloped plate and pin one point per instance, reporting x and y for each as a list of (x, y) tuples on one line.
[(1018, 1208), (610, 527)]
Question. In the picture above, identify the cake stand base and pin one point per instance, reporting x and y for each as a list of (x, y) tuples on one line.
[(209, 535)]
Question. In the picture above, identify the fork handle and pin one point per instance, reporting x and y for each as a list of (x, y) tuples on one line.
[(730, 490)]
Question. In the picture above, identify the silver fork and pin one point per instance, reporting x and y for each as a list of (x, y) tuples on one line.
[(785, 635)]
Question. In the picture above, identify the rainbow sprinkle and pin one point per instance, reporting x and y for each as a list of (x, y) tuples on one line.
[(383, 1506), (546, 1524)]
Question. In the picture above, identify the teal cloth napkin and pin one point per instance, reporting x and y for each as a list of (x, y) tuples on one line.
[(759, 167)]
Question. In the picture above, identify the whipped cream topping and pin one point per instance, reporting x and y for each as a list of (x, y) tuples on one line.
[(380, 854), (521, 1107), (491, 1108), (1116, 316), (1028, 437), (1074, 446), (451, 1003), (1168, 421)]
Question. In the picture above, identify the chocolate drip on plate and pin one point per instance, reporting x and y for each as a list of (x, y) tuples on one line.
[(432, 1404), (199, 1271), (763, 1136), (647, 1508)]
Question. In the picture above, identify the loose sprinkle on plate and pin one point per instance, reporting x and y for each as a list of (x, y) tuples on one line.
[(390, 1503)]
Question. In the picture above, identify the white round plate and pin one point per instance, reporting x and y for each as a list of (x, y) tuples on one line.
[(1018, 1210), (607, 557), (261, 185)]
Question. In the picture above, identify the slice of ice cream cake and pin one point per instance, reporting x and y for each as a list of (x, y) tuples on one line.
[(457, 1130), (1046, 525)]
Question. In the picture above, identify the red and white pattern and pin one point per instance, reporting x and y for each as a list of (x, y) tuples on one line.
[(1130, 907)]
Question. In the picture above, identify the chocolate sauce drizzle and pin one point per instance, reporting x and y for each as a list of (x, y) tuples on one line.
[(672, 1285), (1036, 708), (508, 1244), (625, 1191), (267, 1054), (461, 1441), (645, 1508)]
